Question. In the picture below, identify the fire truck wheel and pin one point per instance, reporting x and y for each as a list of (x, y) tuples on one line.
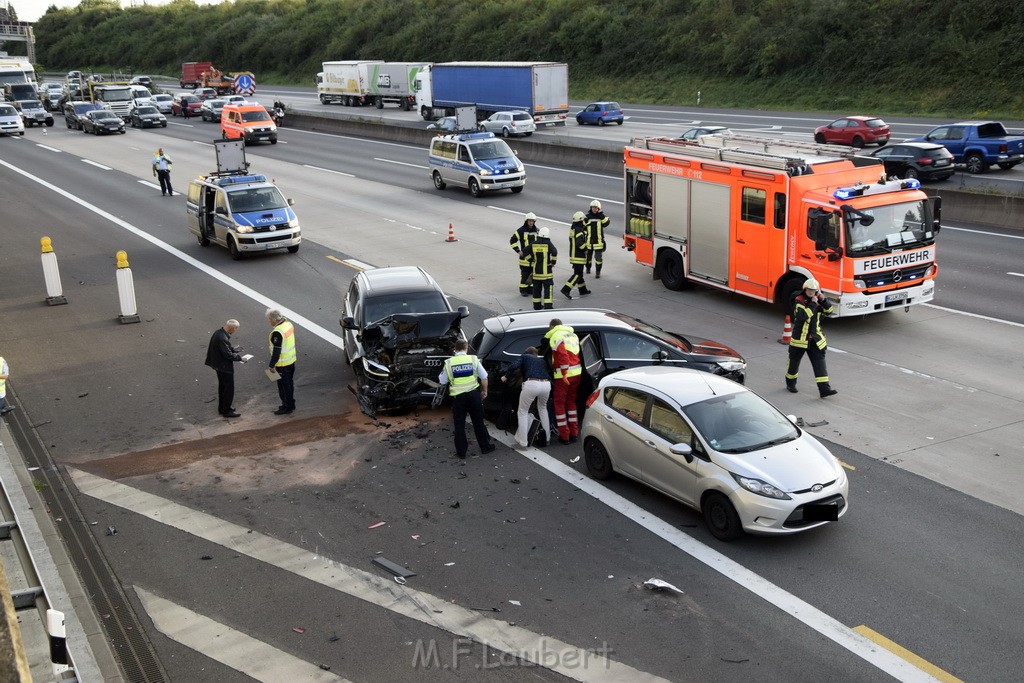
[(670, 270), (789, 292)]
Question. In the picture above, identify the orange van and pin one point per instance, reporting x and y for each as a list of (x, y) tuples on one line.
[(248, 122)]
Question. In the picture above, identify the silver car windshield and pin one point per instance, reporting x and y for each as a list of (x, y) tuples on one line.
[(256, 199), (739, 423)]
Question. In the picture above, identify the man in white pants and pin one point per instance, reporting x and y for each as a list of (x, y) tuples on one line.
[(536, 387)]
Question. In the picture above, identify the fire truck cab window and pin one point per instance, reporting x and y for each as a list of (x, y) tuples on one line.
[(780, 211), (754, 205)]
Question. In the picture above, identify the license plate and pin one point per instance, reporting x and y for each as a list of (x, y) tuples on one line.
[(897, 296), (942, 162)]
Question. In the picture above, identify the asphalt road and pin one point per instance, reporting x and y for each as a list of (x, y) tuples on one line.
[(927, 561)]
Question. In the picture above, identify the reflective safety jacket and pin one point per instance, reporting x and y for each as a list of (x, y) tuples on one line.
[(461, 371), (807, 322), (521, 240), (3, 382), (579, 243), (287, 332), (541, 258), (596, 222), (565, 351)]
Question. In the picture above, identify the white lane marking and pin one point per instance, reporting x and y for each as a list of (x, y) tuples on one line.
[(400, 163), (790, 604), (204, 144), (569, 170), (974, 315), (228, 646), (600, 199), (983, 232), (372, 588), (329, 170), (349, 137), (1016, 274), (297, 319), (52, 149), (156, 187), (520, 213), (97, 165)]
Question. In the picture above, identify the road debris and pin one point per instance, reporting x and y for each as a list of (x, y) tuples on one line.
[(299, 630), (393, 567), (659, 585), (111, 531), (515, 602), (376, 525)]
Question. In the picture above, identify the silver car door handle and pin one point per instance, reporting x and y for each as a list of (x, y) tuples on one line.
[(609, 418), (650, 443)]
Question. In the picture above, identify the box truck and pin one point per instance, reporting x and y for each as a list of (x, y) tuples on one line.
[(346, 82), (540, 88)]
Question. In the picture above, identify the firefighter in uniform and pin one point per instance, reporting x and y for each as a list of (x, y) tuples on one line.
[(579, 246), (565, 358), (467, 385), (520, 242), (808, 338), (542, 257), (596, 222)]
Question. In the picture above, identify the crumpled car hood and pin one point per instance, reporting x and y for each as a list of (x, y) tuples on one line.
[(410, 329)]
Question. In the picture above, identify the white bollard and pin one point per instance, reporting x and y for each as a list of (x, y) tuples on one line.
[(126, 290), (58, 642), (51, 273)]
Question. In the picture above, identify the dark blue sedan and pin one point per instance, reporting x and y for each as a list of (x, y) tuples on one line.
[(601, 113)]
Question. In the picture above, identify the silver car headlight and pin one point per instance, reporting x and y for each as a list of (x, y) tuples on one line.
[(732, 365), (375, 369), (244, 229), (484, 171), (761, 488)]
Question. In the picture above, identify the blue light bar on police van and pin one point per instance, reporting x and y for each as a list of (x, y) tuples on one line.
[(239, 179), (861, 190), (475, 136)]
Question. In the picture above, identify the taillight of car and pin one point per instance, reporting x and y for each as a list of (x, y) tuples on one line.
[(1003, 149), (925, 161), (593, 397)]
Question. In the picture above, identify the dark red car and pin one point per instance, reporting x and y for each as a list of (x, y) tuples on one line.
[(191, 101), (853, 130)]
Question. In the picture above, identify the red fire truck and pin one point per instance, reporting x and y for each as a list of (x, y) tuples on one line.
[(758, 216)]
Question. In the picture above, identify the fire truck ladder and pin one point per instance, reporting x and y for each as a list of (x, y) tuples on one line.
[(794, 157)]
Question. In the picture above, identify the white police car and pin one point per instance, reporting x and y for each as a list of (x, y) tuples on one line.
[(243, 212), (477, 161)]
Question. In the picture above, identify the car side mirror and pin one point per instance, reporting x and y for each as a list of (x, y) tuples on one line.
[(348, 323), (682, 449), (291, 202), (463, 311), (660, 356)]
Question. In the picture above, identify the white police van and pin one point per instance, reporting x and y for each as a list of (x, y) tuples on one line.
[(242, 211), (478, 161)]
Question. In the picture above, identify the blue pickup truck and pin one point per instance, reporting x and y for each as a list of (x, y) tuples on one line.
[(978, 144)]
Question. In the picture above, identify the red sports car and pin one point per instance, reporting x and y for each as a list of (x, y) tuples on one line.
[(853, 130)]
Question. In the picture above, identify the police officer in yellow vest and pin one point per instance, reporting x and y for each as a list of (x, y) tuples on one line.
[(467, 385), (282, 359), (4, 373), (808, 338)]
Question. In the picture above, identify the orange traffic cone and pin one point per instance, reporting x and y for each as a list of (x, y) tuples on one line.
[(787, 331), (451, 234)]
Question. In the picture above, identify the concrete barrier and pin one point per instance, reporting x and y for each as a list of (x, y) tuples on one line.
[(957, 205)]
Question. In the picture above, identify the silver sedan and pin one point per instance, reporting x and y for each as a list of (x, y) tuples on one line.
[(716, 446)]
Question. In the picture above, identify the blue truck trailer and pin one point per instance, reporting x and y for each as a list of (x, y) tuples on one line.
[(540, 88)]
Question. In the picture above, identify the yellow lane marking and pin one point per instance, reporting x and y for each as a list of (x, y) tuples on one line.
[(355, 265), (847, 465), (907, 655)]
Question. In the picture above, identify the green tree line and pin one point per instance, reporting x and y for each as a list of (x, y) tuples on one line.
[(903, 56)]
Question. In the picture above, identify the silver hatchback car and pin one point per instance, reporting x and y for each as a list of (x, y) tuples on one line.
[(716, 446), (508, 124)]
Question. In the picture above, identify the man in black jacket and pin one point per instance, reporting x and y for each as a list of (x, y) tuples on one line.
[(221, 356)]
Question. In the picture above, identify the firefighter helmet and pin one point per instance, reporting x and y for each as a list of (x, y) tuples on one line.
[(595, 205), (812, 284), (543, 232), (531, 216), (579, 216)]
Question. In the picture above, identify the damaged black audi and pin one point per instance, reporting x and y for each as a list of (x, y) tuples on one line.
[(398, 330)]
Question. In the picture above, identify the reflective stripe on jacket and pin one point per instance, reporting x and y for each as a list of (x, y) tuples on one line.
[(579, 243), (542, 256), (461, 371), (596, 223), (287, 332), (807, 323), (565, 351), (521, 240)]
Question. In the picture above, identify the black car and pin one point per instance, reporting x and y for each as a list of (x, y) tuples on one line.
[(147, 116), (398, 328), (101, 122), (210, 109), (609, 342), (74, 113), (142, 80), (924, 160)]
